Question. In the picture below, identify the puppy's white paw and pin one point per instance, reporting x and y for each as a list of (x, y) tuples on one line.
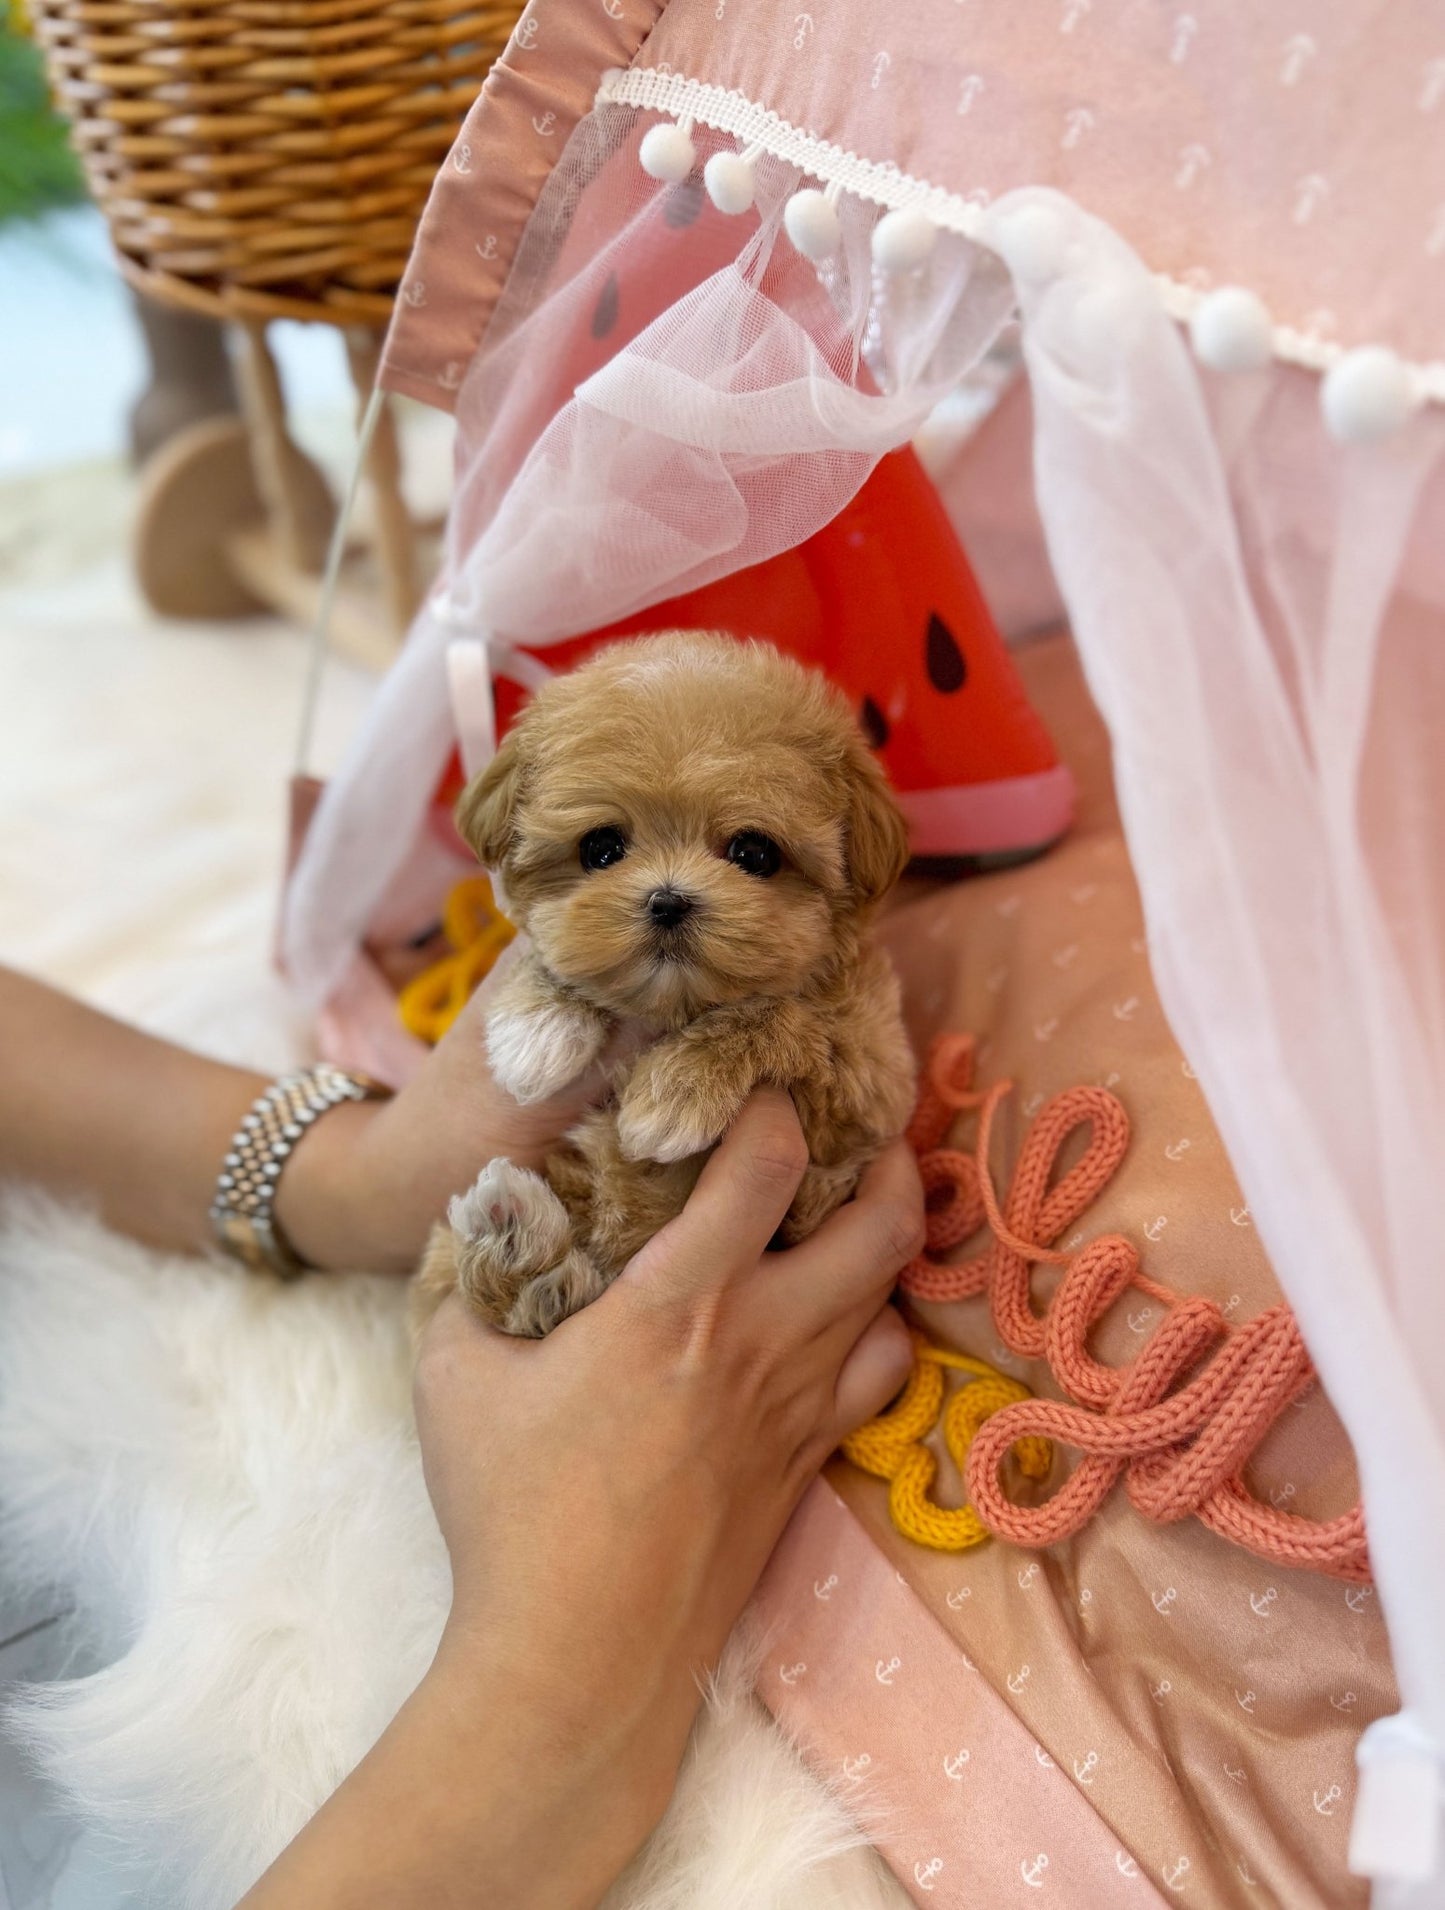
[(515, 1213), (661, 1120), (539, 1051)]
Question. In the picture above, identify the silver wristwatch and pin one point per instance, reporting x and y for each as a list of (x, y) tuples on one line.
[(242, 1209)]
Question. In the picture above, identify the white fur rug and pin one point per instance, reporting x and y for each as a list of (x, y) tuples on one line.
[(220, 1474)]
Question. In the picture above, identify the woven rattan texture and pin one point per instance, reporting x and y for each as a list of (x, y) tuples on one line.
[(267, 158)]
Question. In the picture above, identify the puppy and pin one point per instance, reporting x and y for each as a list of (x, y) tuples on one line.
[(694, 836)]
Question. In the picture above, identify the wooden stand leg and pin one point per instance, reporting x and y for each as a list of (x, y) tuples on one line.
[(300, 531), (395, 535), (190, 375)]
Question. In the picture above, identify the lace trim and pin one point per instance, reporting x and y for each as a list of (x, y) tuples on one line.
[(729, 111)]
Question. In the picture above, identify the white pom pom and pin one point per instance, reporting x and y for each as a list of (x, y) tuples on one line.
[(902, 240), (667, 153), (729, 181), (1230, 331), (812, 223), (1367, 395), (1032, 241)]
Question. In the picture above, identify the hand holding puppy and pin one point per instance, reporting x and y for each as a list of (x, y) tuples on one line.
[(695, 836), (366, 1187), (609, 1496)]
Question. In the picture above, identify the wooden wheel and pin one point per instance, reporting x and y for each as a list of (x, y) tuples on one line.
[(196, 494)]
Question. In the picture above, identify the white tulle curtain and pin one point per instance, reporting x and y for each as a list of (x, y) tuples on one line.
[(1259, 614), (732, 427)]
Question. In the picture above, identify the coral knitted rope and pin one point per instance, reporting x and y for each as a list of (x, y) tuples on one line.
[(1177, 1423)]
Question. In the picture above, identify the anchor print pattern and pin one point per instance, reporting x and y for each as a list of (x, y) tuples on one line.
[(1186, 140), (1180, 1609), (1193, 1231), (1295, 204), (1186, 27), (890, 1743)]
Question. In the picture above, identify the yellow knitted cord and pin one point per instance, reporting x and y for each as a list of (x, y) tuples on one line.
[(891, 1446), (478, 932)]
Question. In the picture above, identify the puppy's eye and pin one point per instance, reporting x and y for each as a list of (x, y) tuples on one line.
[(600, 848), (754, 853)]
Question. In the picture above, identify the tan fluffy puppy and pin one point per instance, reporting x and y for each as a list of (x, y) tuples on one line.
[(694, 836)]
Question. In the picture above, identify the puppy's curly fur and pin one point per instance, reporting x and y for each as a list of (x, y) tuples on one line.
[(694, 836)]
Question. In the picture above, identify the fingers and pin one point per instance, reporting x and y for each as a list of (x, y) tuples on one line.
[(465, 1114), (849, 1266), (458, 1357), (736, 1207), (873, 1372)]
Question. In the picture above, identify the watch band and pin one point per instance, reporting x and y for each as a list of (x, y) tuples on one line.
[(242, 1209)]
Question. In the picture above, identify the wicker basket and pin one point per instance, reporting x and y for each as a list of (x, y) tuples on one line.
[(267, 158)]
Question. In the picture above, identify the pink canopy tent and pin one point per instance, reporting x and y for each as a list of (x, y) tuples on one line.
[(1223, 237)]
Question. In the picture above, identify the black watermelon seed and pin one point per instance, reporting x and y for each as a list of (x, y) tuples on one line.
[(683, 203), (946, 667), (604, 315), (874, 722)]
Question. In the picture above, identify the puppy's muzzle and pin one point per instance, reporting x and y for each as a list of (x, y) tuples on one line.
[(669, 908)]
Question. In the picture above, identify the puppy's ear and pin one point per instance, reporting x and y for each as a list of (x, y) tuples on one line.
[(487, 807), (877, 845)]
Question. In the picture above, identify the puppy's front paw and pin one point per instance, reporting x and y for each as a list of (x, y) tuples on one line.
[(509, 1228), (534, 1052), (544, 1303), (671, 1110)]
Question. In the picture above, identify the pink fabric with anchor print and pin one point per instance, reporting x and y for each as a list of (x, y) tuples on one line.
[(1231, 145), (1199, 1705), (485, 191), (965, 1805)]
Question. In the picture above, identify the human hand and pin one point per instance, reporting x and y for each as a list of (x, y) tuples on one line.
[(610, 1494), (365, 1186)]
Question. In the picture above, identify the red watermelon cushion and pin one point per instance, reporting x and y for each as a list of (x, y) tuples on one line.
[(882, 599)]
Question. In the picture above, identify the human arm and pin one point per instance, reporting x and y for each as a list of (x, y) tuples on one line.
[(609, 1496), (94, 1108)]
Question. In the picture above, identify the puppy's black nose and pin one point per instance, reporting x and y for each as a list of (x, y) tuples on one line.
[(667, 907)]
